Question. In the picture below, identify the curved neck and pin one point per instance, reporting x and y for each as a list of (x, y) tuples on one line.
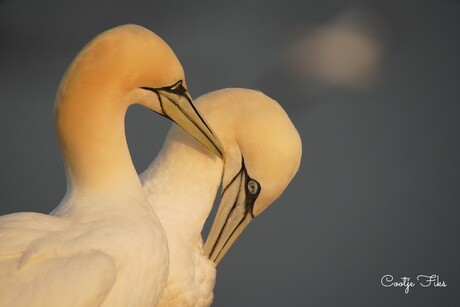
[(91, 131), (181, 184)]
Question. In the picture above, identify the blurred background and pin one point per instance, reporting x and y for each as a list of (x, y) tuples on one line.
[(373, 88)]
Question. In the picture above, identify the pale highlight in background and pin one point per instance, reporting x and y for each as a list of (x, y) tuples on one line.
[(344, 53)]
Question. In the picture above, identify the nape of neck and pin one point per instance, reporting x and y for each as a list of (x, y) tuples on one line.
[(91, 132)]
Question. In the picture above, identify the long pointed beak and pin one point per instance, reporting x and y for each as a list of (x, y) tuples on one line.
[(233, 215), (177, 105)]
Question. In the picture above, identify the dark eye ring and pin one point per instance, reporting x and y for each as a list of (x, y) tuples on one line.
[(253, 187), (176, 85)]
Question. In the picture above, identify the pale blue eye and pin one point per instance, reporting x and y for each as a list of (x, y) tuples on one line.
[(253, 187)]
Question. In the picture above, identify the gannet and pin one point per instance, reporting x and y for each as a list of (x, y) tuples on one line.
[(103, 245), (262, 151)]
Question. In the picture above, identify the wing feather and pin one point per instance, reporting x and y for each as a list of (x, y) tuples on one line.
[(78, 280), (34, 267)]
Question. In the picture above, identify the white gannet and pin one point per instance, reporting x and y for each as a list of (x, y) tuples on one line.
[(262, 152), (103, 245)]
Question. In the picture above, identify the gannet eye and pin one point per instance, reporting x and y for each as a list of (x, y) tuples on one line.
[(176, 85), (253, 187)]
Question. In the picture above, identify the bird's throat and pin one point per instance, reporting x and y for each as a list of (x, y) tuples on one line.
[(182, 184)]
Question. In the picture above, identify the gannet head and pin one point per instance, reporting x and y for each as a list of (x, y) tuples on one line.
[(129, 64), (262, 151)]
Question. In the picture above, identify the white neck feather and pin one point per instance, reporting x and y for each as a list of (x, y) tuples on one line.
[(181, 184)]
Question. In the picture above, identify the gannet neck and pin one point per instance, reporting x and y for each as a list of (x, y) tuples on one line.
[(182, 183), (91, 132)]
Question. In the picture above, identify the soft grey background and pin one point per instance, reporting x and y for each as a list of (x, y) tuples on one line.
[(373, 88)]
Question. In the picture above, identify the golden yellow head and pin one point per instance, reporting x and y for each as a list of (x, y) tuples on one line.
[(125, 65), (262, 151), (122, 59)]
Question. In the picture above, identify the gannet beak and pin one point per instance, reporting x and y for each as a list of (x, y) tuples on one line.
[(177, 105), (234, 214)]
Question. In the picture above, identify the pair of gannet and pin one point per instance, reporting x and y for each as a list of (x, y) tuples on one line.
[(104, 244)]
